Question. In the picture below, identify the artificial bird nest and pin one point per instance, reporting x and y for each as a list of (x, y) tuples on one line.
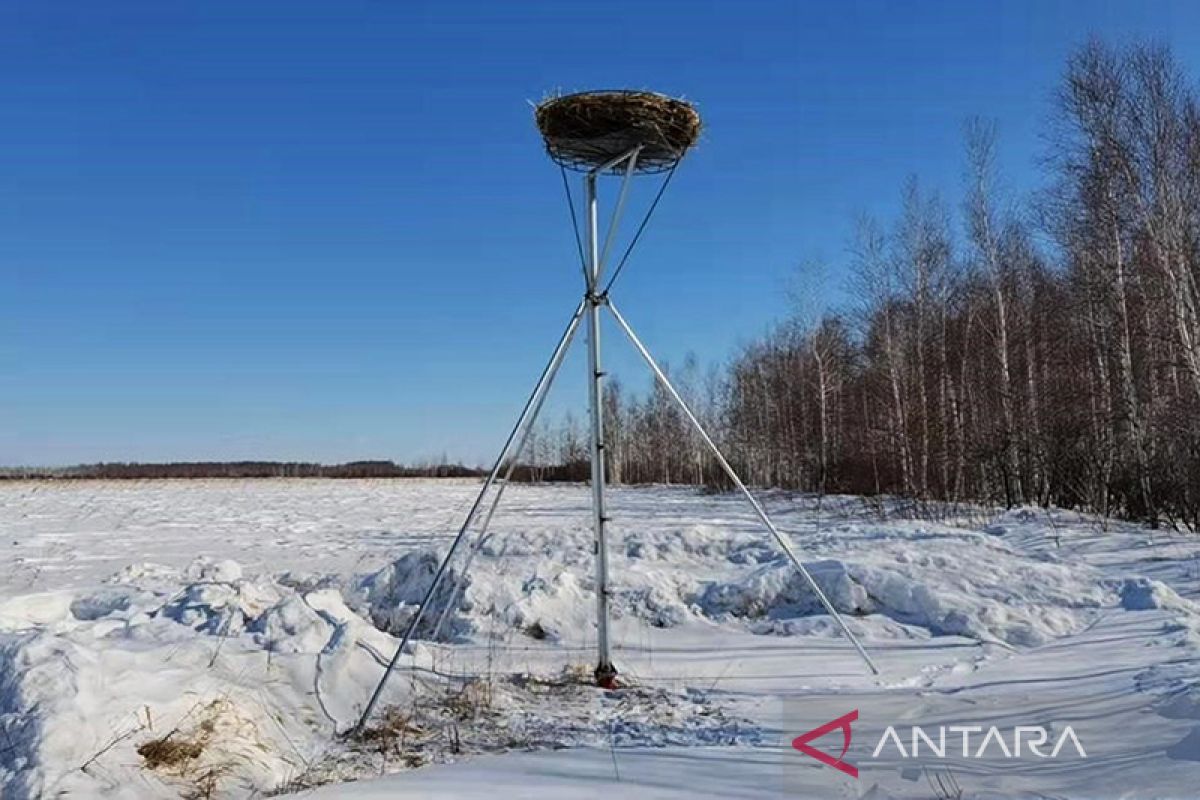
[(588, 130)]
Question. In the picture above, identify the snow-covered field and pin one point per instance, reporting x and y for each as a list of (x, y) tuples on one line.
[(218, 638)]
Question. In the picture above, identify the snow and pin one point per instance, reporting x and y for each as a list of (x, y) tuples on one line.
[(172, 638)]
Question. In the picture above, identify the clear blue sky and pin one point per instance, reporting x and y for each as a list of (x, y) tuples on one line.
[(327, 230)]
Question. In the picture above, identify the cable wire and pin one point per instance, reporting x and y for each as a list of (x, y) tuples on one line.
[(574, 220), (641, 228)]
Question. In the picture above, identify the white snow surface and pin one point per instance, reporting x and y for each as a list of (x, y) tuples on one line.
[(169, 639)]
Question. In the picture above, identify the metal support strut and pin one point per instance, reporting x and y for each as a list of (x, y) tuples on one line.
[(531, 405), (780, 539)]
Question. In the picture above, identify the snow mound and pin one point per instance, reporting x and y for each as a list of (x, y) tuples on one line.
[(208, 569), (220, 608), (170, 681), (280, 618), (911, 580), (292, 626), (100, 604), (551, 596), (391, 596), (549, 602), (706, 543), (660, 604), (34, 610), (1143, 594), (936, 601), (781, 591)]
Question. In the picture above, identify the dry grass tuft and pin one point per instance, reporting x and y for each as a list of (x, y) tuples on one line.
[(475, 697), (170, 752), (211, 746), (392, 738), (393, 725)]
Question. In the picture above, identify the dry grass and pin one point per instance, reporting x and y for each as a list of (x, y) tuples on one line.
[(392, 736), (207, 749), (445, 719), (570, 675), (474, 697), (174, 751), (170, 752), (412, 737)]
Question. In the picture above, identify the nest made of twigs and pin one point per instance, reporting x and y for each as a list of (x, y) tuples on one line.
[(587, 130)]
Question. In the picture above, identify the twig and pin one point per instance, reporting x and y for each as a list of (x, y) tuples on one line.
[(116, 740)]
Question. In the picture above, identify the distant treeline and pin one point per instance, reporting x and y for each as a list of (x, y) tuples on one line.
[(242, 469)]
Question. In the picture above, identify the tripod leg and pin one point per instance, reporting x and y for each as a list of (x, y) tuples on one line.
[(534, 400), (483, 535), (783, 543)]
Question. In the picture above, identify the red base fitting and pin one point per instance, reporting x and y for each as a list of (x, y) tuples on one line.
[(606, 676)]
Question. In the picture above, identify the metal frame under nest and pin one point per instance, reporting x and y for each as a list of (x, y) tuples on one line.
[(587, 130)]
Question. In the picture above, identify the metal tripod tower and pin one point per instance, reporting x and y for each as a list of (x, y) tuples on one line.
[(625, 154)]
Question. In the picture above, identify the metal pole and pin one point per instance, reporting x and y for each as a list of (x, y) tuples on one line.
[(605, 671), (539, 390), (783, 543), (620, 207)]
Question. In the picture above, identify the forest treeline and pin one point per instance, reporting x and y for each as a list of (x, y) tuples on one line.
[(242, 469), (1001, 350)]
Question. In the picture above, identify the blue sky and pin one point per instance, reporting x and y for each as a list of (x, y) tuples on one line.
[(327, 231)]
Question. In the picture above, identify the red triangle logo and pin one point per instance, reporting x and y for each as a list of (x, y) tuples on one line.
[(801, 743)]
